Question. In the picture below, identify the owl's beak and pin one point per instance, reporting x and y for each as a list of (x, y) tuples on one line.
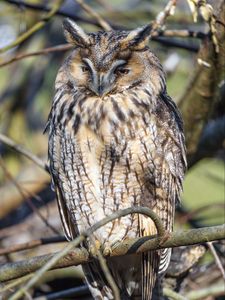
[(101, 86)]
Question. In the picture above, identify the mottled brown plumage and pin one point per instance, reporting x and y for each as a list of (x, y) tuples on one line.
[(115, 141)]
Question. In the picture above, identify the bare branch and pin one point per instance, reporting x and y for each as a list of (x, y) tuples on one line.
[(217, 259)]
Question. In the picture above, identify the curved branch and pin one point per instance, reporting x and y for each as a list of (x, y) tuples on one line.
[(56, 257)]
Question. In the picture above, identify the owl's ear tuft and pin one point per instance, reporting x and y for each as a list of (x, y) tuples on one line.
[(74, 34), (137, 39)]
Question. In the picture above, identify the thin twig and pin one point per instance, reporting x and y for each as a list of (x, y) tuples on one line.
[(108, 276), (95, 15), (121, 213), (74, 292), (217, 259), (35, 27), (18, 148), (183, 33)]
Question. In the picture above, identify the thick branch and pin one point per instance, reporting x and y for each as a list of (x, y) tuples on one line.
[(78, 256)]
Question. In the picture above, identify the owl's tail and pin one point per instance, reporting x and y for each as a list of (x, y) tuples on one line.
[(133, 282)]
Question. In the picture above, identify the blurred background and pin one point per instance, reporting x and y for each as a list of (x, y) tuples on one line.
[(195, 80)]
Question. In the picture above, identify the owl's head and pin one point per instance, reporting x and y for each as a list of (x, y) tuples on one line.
[(110, 62)]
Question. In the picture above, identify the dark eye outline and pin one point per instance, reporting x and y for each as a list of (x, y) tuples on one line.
[(121, 71)]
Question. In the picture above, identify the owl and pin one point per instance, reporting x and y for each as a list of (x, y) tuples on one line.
[(115, 141)]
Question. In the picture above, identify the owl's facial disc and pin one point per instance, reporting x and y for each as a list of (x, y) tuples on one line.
[(103, 82)]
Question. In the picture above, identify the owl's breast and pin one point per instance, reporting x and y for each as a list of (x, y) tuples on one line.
[(114, 169)]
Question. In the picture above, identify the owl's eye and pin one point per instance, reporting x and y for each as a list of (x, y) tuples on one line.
[(84, 69), (121, 71)]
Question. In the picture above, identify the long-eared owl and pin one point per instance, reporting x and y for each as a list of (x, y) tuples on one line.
[(115, 141)]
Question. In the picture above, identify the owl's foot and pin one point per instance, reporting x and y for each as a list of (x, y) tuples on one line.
[(106, 251), (108, 248), (94, 247)]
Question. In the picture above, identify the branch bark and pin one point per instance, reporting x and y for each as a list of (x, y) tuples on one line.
[(78, 256)]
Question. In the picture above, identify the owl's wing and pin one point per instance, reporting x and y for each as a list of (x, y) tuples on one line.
[(68, 226), (166, 187), (56, 168)]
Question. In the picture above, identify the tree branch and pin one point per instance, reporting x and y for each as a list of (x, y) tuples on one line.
[(78, 256)]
